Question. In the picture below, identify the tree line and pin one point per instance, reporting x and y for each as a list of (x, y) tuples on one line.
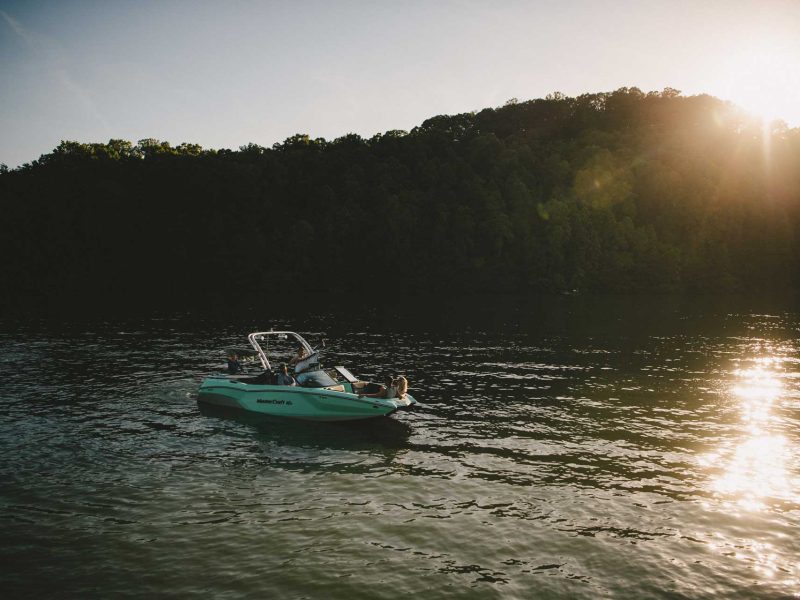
[(623, 191)]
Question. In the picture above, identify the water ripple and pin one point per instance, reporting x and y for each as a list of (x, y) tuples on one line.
[(643, 450)]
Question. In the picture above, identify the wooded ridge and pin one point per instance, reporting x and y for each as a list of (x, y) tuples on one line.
[(607, 192)]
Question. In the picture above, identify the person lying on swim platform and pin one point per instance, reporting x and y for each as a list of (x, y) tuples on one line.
[(392, 388), (383, 390)]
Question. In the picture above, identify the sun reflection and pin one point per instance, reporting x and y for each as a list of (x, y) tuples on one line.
[(758, 467), (757, 389), (756, 471)]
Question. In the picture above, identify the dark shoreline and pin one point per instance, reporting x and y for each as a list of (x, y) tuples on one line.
[(621, 192), (409, 304)]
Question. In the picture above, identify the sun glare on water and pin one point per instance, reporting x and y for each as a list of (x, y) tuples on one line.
[(754, 470), (757, 467)]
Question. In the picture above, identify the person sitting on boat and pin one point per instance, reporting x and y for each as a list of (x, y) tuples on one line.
[(388, 390), (301, 354), (402, 387), (284, 378), (234, 366)]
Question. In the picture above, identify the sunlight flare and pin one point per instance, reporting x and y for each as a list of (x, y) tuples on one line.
[(759, 76)]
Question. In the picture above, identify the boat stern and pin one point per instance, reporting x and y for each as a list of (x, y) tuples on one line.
[(402, 403)]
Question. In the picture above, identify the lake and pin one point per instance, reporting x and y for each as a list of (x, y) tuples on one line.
[(626, 447)]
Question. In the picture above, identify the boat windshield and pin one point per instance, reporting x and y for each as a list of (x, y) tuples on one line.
[(315, 379)]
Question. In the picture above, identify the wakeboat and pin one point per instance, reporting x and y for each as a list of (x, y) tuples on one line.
[(319, 394)]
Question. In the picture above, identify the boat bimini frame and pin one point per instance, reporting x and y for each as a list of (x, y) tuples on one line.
[(311, 358)]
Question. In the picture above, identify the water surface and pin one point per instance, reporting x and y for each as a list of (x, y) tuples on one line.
[(568, 447)]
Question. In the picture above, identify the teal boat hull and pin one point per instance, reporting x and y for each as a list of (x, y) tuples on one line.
[(314, 404)]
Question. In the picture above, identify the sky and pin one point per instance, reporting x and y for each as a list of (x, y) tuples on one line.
[(227, 73)]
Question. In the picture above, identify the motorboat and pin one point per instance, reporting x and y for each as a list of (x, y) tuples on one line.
[(319, 394)]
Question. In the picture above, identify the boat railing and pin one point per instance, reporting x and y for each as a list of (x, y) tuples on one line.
[(260, 335)]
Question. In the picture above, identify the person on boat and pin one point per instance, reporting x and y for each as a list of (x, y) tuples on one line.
[(402, 387), (234, 366), (284, 378), (301, 354), (388, 390)]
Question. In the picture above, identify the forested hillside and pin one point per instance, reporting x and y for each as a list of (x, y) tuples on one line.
[(621, 191)]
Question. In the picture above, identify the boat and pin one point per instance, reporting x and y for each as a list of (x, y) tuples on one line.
[(320, 394)]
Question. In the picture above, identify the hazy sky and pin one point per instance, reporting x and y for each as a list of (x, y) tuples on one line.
[(226, 73)]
